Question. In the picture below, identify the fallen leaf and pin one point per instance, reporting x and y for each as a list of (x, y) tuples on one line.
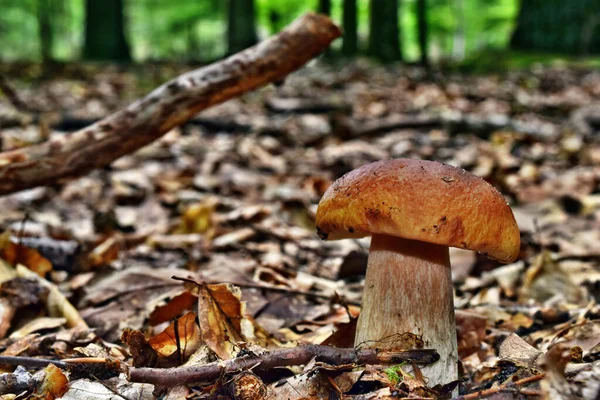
[(220, 312), (14, 253), (173, 308), (181, 337), (55, 384)]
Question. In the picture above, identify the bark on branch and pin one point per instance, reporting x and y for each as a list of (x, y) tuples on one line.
[(166, 107), (277, 358)]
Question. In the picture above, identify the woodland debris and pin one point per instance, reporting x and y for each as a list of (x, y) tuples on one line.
[(515, 349), (277, 358), (306, 105), (170, 105), (57, 304)]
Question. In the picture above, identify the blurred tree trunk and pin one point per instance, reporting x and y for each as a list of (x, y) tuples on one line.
[(45, 31), (565, 26), (105, 31), (384, 35), (324, 7), (350, 25), (423, 33), (459, 41), (241, 28)]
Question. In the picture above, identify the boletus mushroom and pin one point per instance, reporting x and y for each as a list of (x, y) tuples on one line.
[(414, 210)]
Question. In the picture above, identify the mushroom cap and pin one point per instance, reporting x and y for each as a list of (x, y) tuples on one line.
[(420, 200)]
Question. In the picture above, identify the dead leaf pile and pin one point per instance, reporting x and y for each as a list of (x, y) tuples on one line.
[(226, 204)]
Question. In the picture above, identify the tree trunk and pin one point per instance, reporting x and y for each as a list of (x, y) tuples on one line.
[(459, 42), (105, 31), (45, 30), (350, 25), (324, 7), (384, 35), (423, 31), (563, 26), (241, 30)]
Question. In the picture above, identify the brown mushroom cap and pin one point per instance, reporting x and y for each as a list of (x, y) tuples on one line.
[(420, 200)]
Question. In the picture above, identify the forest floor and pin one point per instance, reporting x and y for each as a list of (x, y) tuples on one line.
[(228, 201)]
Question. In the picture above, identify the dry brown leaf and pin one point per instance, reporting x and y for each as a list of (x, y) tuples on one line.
[(220, 312), (518, 351), (181, 337), (55, 384), (174, 307), (344, 335), (14, 254), (38, 324), (471, 332), (143, 354)]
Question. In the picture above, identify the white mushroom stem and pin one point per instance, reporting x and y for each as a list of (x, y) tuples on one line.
[(408, 288)]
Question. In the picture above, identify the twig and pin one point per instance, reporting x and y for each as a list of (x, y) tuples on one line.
[(505, 387), (16, 100), (170, 105), (31, 362), (271, 289), (277, 358)]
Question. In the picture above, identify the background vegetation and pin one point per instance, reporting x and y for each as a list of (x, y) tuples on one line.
[(197, 29), (481, 32)]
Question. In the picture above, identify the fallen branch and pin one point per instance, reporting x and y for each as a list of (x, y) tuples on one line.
[(454, 123), (13, 97), (170, 105), (257, 363), (277, 358)]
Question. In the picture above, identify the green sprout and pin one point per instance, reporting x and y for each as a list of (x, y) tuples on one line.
[(395, 373)]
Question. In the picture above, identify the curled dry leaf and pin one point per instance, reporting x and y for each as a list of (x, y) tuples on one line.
[(174, 307), (518, 351), (142, 353), (181, 337), (225, 326), (54, 385), (221, 317)]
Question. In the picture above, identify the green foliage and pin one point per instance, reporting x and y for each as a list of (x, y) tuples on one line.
[(459, 30), (395, 373)]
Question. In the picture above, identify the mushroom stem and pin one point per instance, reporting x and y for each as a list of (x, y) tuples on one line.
[(408, 288)]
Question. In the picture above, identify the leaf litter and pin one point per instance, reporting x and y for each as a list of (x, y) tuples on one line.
[(226, 204)]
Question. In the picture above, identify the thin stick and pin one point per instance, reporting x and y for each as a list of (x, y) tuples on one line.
[(170, 105), (275, 289), (501, 388), (31, 362), (276, 358)]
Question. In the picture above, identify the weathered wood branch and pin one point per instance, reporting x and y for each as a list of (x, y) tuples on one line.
[(277, 358), (168, 106)]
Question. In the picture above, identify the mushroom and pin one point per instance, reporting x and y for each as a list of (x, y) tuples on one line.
[(414, 210)]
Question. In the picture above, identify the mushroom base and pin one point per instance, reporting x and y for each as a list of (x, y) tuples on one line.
[(408, 288)]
